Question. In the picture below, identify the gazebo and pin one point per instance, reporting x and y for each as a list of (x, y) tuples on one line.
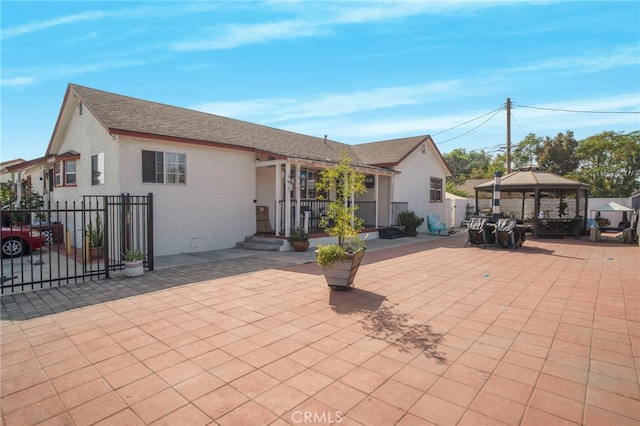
[(554, 191)]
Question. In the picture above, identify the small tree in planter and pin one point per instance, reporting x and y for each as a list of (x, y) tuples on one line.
[(94, 236), (340, 261), (133, 263)]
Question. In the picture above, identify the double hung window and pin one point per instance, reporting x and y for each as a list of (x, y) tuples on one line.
[(164, 167)]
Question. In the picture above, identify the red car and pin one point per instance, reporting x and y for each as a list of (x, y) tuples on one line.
[(18, 241)]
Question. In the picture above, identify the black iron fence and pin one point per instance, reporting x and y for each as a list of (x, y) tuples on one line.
[(74, 242)]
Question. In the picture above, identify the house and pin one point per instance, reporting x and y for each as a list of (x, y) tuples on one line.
[(209, 175)]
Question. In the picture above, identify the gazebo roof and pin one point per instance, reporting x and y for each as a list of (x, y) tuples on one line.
[(530, 178)]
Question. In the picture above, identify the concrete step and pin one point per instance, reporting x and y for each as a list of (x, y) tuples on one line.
[(261, 243)]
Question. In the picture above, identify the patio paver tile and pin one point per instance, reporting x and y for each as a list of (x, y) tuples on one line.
[(498, 407), (373, 411), (142, 389), (97, 409), (599, 416), (47, 408), (535, 417), (186, 415), (158, 405), (437, 410), (549, 337)]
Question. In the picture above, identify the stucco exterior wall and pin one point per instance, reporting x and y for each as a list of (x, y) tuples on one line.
[(88, 137), (213, 211), (413, 183)]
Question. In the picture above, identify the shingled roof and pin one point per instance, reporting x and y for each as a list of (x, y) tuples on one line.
[(131, 116), (529, 178)]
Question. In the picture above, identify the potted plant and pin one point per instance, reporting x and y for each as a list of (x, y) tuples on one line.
[(410, 222), (133, 263), (94, 237), (299, 239), (340, 261)]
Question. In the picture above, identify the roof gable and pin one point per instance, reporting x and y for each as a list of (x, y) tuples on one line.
[(392, 152)]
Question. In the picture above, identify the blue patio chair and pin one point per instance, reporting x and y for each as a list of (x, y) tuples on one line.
[(435, 225)]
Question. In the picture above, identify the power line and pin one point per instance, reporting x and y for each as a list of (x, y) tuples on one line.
[(518, 123), (585, 112), (469, 121), (496, 111)]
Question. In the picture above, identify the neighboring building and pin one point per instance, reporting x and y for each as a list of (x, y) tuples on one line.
[(6, 175), (209, 173), (32, 175)]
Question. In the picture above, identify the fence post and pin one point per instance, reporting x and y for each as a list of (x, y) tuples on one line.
[(150, 231), (105, 234)]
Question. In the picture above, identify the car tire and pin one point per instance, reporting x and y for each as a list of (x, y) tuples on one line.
[(13, 247)]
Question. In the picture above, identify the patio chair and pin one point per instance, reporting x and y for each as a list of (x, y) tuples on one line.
[(435, 225), (476, 232), (506, 233)]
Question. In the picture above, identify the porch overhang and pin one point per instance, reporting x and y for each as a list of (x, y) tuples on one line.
[(326, 165)]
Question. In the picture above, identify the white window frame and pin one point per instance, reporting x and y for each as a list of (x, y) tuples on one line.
[(97, 173), (436, 190), (168, 168)]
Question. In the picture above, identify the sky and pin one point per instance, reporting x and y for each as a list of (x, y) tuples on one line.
[(356, 71)]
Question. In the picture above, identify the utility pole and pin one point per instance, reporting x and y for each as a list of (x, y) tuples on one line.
[(508, 135)]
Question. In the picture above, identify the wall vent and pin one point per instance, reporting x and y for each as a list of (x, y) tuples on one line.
[(79, 107)]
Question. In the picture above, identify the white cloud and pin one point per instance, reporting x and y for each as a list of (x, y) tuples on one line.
[(274, 110), (235, 35), (43, 25), (589, 62), (69, 71), (143, 12), (314, 21), (17, 81)]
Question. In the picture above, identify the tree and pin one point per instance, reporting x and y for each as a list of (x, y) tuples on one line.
[(7, 194), (468, 165), (526, 152), (453, 189), (558, 155), (610, 163)]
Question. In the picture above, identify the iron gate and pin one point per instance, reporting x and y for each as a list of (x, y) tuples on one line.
[(80, 241)]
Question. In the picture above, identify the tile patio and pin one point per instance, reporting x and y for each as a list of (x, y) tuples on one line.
[(434, 333)]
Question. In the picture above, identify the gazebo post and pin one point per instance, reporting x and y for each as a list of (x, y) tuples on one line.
[(477, 204), (536, 211)]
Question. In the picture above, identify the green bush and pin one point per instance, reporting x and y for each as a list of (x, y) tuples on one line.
[(410, 219)]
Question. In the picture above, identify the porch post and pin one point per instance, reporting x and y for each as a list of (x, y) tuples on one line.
[(287, 199), (296, 186), (278, 212), (19, 190), (376, 186)]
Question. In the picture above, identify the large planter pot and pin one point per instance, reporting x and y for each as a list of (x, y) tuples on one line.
[(95, 252), (410, 231), (340, 275), (300, 245), (133, 269)]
